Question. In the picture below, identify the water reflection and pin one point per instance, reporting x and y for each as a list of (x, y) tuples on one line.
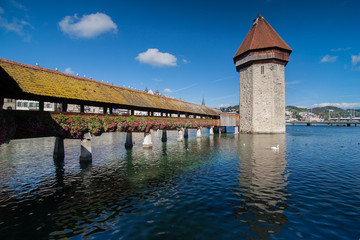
[(262, 179)]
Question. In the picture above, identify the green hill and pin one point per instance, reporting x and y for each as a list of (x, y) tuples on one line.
[(335, 112)]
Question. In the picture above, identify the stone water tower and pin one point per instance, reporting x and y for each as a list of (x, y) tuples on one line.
[(260, 61)]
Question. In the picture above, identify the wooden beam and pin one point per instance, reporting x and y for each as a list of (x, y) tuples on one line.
[(64, 107), (41, 106)]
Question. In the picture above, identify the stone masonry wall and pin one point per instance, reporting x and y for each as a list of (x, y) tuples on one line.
[(262, 98), (246, 99)]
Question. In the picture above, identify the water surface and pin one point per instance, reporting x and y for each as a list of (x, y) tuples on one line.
[(221, 187)]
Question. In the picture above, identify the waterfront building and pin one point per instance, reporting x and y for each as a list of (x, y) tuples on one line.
[(260, 61)]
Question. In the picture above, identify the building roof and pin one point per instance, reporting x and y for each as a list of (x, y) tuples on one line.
[(33, 82), (261, 36)]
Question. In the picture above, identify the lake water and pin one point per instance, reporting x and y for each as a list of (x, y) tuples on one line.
[(221, 187)]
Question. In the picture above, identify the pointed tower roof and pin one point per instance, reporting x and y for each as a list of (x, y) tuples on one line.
[(261, 36), (203, 101)]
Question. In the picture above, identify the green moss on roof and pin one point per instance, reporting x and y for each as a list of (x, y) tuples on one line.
[(45, 82)]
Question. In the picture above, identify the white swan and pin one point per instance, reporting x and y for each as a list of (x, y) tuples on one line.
[(275, 148)]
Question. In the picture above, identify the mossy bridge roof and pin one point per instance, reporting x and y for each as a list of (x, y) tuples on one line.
[(36, 83)]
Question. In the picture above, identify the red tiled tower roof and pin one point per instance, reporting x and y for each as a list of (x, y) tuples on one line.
[(261, 36)]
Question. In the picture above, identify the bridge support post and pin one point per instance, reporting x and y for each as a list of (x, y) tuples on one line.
[(236, 130), (198, 132), (211, 131), (86, 152), (308, 124), (59, 150), (180, 135), (348, 124), (129, 143), (147, 140), (164, 136), (186, 133)]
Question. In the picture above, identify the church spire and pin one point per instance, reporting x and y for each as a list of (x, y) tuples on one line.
[(203, 101)]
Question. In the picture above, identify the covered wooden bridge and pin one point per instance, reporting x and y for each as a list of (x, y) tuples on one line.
[(21, 81), (26, 82)]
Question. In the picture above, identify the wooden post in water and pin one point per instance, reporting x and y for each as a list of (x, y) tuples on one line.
[(128, 143), (236, 131), (164, 136), (211, 131), (198, 132), (86, 152), (59, 150), (186, 133), (180, 135), (147, 140)]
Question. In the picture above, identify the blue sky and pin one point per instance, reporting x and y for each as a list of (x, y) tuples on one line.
[(185, 48)]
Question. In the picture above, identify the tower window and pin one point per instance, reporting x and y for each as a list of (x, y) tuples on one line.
[(262, 70)]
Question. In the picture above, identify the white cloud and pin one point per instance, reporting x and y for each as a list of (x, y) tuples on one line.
[(157, 59), (69, 71), (340, 105), (223, 105), (167, 90), (184, 88), (339, 49), (292, 82), (355, 59), (88, 26), (16, 25), (18, 5), (329, 58)]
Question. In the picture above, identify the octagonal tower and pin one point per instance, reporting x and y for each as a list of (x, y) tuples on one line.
[(260, 61)]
